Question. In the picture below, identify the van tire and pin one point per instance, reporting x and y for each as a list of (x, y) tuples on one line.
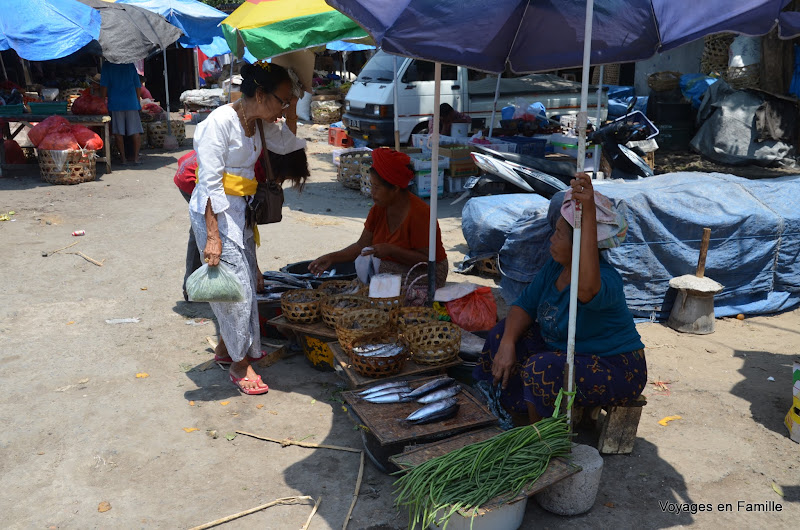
[(421, 128)]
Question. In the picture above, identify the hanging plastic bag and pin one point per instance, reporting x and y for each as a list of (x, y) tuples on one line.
[(214, 284), (475, 312)]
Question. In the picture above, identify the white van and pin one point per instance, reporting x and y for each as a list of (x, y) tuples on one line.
[(369, 104)]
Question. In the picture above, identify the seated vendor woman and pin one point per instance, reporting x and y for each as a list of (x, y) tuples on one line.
[(396, 229), (526, 352)]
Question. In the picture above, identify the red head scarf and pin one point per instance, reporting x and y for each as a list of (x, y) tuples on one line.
[(392, 166)]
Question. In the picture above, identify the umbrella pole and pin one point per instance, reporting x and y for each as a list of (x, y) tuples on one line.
[(437, 97), (396, 97), (576, 238), (494, 108), (597, 151), (3, 63), (166, 88)]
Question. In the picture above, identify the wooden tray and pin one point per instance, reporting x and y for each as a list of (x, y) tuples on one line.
[(357, 381), (318, 328), (558, 468), (385, 420)]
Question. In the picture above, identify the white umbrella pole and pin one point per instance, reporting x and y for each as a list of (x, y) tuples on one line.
[(494, 108), (597, 152), (166, 87), (396, 99), (437, 97), (576, 238)]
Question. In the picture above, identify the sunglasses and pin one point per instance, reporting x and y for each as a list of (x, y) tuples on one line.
[(284, 104)]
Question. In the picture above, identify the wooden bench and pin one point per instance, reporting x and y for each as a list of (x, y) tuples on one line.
[(617, 426)]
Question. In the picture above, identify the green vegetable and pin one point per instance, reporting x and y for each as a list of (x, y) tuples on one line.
[(467, 478)]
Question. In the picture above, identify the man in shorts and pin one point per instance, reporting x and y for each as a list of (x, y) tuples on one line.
[(122, 86)]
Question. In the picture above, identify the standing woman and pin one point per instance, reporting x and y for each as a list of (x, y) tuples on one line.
[(228, 143)]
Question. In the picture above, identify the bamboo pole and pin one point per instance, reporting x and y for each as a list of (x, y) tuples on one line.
[(355, 493), (287, 442), (276, 502)]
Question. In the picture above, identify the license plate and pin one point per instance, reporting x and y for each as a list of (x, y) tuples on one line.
[(354, 124)]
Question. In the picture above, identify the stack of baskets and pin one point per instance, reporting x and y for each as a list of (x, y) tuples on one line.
[(336, 306), (67, 167), (70, 95), (354, 169), (664, 81), (302, 306), (157, 131), (715, 53)]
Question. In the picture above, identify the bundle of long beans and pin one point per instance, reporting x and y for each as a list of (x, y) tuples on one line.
[(467, 478)]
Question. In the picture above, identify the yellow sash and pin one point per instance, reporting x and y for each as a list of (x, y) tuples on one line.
[(241, 187)]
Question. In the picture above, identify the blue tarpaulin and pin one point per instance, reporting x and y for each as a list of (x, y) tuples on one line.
[(533, 36), (754, 250), (199, 22), (43, 30)]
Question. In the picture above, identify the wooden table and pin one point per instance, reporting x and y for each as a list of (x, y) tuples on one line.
[(356, 381), (87, 121)]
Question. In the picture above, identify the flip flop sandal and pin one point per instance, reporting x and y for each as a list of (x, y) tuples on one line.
[(249, 391)]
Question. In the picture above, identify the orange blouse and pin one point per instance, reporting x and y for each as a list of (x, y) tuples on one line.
[(412, 234)]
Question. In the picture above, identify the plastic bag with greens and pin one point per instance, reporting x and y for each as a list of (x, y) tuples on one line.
[(214, 284)]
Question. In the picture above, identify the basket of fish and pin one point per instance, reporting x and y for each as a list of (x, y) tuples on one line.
[(435, 343), (437, 397), (354, 325), (390, 305), (379, 355), (302, 306), (334, 287), (414, 316), (335, 306)]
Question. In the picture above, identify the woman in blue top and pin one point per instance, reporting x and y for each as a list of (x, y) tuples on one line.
[(526, 352)]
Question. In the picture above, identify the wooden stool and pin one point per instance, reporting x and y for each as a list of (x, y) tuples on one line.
[(617, 425)]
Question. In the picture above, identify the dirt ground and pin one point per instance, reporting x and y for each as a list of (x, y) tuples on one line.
[(80, 428)]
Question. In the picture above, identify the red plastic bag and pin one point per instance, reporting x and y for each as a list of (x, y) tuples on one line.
[(14, 153), (89, 104), (475, 312), (152, 108), (60, 139), (42, 129), (87, 138)]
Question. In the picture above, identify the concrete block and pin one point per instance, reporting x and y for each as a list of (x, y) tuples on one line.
[(575, 494)]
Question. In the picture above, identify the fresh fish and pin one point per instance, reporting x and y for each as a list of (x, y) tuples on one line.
[(387, 351), (437, 411), (367, 348), (395, 397), (431, 386), (438, 395), (392, 390), (382, 386)]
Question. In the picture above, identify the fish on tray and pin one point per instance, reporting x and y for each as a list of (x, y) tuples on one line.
[(430, 386), (440, 410), (382, 386), (438, 395), (379, 350), (390, 390)]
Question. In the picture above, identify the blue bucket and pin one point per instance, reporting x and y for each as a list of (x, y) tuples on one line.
[(507, 112)]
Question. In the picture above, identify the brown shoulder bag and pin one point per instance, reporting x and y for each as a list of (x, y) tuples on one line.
[(266, 205)]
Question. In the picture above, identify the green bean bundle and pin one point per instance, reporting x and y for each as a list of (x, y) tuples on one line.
[(467, 478)]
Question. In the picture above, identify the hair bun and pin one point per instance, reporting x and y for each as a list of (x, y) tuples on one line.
[(246, 70)]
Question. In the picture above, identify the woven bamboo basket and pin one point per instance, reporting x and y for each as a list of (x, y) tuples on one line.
[(664, 81), (302, 306), (337, 305), (157, 131), (742, 78), (610, 74), (351, 168), (366, 182), (390, 305), (433, 344), (715, 53), (377, 367), (354, 325), (408, 317), (334, 287), (79, 166)]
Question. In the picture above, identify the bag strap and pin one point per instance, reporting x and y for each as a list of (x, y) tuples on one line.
[(264, 156)]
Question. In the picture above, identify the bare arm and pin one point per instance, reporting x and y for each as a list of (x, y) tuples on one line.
[(589, 281), (517, 322), (349, 253)]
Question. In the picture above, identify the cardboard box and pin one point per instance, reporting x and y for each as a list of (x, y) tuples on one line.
[(422, 183)]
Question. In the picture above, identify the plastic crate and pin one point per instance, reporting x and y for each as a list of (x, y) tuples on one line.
[(50, 107), (11, 110), (422, 162), (499, 145), (455, 184), (639, 117), (339, 137), (421, 185), (534, 147)]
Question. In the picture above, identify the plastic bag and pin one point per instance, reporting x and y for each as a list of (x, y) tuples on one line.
[(475, 312), (43, 128), (214, 284), (87, 138), (59, 138), (89, 104), (14, 153)]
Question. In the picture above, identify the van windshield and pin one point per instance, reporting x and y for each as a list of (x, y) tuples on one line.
[(379, 69)]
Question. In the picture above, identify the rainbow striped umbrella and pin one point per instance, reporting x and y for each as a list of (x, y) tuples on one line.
[(273, 27)]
